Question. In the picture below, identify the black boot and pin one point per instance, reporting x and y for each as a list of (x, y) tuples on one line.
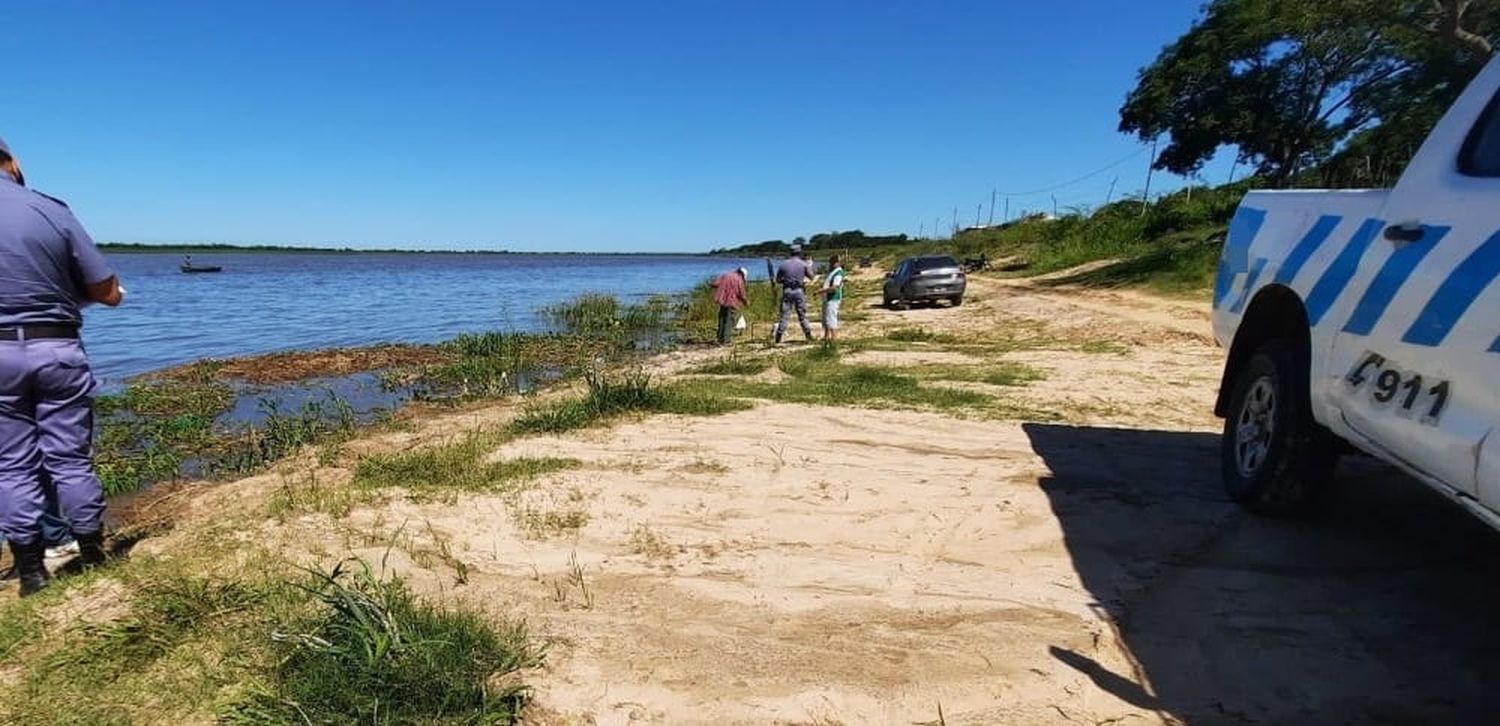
[(29, 566), (91, 549)]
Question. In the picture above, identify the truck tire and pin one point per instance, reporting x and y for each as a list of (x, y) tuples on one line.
[(957, 300), (1274, 458)]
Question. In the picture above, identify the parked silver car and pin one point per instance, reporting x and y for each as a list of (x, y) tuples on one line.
[(925, 279)]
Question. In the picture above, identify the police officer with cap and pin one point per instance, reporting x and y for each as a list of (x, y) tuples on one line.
[(49, 269)]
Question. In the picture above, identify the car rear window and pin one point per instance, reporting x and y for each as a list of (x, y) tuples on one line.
[(923, 264)]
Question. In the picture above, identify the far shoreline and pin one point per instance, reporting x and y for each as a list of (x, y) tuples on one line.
[(133, 249)]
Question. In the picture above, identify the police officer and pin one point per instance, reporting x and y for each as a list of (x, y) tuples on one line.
[(49, 269)]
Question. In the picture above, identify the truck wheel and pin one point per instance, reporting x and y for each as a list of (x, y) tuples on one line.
[(1275, 459), (957, 300), (888, 302)]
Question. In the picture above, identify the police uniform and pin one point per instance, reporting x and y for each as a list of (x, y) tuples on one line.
[(46, 387)]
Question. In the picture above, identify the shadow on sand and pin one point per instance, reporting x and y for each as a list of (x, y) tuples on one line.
[(1375, 612)]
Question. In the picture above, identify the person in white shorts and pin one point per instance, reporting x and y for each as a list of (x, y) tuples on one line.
[(833, 297)]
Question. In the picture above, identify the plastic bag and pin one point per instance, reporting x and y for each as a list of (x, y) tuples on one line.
[(740, 324)]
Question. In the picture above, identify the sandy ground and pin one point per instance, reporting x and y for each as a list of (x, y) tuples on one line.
[(804, 564)]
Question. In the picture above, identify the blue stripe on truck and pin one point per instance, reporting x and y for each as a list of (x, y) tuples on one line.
[(1310, 243), (1255, 269), (1393, 274), (1236, 257), (1456, 294), (1328, 288)]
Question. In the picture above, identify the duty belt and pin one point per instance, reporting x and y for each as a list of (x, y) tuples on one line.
[(39, 332)]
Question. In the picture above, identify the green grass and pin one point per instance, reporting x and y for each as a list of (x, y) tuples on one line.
[(1170, 246), (375, 654), (611, 396), (1180, 267), (19, 623)]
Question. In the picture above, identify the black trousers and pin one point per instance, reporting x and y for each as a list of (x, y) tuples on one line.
[(727, 317)]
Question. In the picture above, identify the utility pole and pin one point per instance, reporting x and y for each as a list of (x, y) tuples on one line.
[(1234, 167), (935, 222), (921, 227), (955, 220), (1111, 195), (978, 213), (1007, 209), (1054, 206), (1150, 167), (991, 223)]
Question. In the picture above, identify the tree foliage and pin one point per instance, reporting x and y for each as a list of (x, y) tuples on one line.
[(829, 241), (1292, 84)]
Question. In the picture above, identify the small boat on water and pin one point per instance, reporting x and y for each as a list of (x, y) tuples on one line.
[(187, 266)]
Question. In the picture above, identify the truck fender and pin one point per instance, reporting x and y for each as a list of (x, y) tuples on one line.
[(1276, 313)]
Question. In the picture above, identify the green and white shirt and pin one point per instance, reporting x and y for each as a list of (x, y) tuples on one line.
[(836, 284)]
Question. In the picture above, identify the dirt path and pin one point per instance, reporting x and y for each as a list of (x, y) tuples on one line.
[(810, 564)]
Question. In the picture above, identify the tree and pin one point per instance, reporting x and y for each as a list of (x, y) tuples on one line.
[(1289, 82)]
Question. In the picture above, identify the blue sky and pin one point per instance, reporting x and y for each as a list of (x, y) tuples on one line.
[(620, 126)]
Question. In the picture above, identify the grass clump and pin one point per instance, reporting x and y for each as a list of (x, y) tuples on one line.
[(611, 396), (649, 543), (734, 366), (920, 335), (307, 493), (440, 473), (817, 376), (343, 647), (373, 653), (1002, 373)]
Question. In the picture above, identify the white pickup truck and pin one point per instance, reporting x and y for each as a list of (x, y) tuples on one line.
[(1371, 319)]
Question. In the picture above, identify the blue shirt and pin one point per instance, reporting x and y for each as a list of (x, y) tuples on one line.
[(793, 273), (46, 259)]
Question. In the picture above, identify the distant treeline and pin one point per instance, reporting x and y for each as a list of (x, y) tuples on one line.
[(129, 247), (853, 239), (227, 249)]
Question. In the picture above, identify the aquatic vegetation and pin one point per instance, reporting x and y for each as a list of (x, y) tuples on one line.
[(596, 315), (283, 433), (147, 431)]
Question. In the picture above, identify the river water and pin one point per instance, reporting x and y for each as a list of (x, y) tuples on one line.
[(266, 302)]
